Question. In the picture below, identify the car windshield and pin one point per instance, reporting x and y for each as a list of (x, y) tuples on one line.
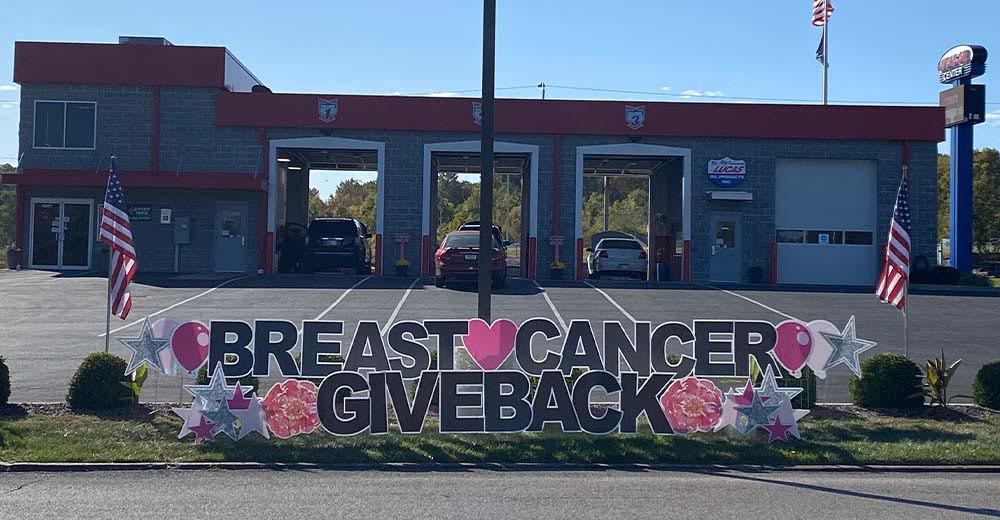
[(464, 240), (332, 228), (619, 244)]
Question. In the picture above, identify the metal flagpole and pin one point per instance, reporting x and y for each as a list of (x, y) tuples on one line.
[(826, 49), (906, 318), (107, 316)]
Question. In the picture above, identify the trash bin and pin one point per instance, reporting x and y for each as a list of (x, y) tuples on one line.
[(13, 258), (662, 272)]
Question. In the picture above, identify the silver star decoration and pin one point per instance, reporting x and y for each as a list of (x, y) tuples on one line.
[(191, 416), (252, 419), (757, 414), (224, 420), (847, 348), (769, 388), (729, 417), (214, 393), (145, 349)]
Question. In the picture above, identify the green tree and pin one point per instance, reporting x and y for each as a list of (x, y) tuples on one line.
[(7, 209), (985, 198)]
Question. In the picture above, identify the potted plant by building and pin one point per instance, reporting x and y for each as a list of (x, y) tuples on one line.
[(557, 270), (13, 256), (402, 267)]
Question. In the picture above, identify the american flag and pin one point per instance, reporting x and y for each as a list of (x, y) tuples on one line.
[(896, 272), (822, 10), (117, 234)]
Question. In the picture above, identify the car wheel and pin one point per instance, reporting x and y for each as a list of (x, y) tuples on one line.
[(438, 281)]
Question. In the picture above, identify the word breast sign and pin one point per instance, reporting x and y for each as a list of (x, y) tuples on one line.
[(727, 172), (498, 377)]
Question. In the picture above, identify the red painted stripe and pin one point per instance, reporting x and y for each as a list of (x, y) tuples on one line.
[(138, 179), (265, 247), (774, 263), (19, 231), (110, 64), (686, 261), (436, 114), (532, 261), (425, 255)]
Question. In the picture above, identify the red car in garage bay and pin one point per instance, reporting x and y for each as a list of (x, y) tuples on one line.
[(458, 259)]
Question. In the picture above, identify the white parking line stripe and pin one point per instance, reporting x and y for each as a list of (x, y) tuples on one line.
[(178, 304), (339, 299), (562, 323), (751, 300), (610, 299), (395, 312)]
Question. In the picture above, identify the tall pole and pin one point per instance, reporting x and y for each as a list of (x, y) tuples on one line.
[(605, 203), (826, 50), (486, 167), (107, 316)]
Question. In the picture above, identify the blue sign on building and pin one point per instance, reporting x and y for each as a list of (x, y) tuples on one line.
[(727, 172)]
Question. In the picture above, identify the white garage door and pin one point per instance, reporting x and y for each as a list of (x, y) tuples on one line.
[(825, 222)]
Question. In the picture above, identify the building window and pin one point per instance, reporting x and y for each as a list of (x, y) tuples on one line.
[(858, 238), (65, 124), (823, 237), (790, 236)]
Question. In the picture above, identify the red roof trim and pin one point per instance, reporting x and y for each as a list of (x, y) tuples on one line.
[(111, 64), (137, 179), (586, 117)]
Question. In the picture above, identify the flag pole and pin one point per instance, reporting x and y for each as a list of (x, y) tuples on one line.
[(826, 49), (906, 292), (107, 315)]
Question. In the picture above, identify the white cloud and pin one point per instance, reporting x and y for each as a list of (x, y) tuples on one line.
[(689, 93), (443, 94), (664, 88), (7, 88), (993, 118), (6, 105)]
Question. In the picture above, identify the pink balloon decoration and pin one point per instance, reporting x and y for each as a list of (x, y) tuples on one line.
[(190, 345), (793, 346)]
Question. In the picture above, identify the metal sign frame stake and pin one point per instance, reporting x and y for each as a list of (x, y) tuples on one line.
[(486, 165)]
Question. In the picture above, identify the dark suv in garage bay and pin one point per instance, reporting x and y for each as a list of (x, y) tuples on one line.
[(337, 243)]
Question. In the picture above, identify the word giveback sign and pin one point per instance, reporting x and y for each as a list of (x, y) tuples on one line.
[(523, 377)]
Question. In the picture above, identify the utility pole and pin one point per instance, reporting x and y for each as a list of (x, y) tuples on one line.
[(605, 203), (486, 165)]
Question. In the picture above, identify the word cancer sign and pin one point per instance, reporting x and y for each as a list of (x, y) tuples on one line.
[(525, 376)]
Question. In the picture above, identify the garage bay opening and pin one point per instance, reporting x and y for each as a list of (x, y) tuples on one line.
[(454, 204), (327, 210), (632, 217)]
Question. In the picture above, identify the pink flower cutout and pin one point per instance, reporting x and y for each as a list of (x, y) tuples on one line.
[(692, 405), (290, 408)]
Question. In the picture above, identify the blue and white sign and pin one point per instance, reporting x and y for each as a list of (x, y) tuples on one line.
[(727, 172), (327, 109), (635, 117)]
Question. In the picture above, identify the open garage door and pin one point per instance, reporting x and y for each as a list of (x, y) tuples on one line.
[(825, 222)]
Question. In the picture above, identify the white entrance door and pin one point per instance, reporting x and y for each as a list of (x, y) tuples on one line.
[(726, 258), (61, 234)]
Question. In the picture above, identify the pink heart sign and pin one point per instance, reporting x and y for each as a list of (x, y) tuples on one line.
[(490, 345)]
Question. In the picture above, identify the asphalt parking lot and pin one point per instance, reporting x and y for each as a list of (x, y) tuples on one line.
[(51, 321)]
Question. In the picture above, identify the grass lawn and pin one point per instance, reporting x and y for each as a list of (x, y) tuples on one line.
[(831, 436)]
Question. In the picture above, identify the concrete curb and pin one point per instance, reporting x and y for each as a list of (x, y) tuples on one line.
[(25, 467)]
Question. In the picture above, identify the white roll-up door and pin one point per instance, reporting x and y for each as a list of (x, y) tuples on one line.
[(825, 221)]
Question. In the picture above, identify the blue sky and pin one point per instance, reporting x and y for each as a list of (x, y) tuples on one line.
[(666, 49)]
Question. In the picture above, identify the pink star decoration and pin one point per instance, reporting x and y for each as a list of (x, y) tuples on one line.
[(203, 432), (777, 431), (239, 401)]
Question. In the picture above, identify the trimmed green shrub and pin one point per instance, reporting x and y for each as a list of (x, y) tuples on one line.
[(97, 384), (807, 398), (986, 386), (888, 381), (4, 382)]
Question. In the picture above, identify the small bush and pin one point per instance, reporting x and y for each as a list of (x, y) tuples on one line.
[(97, 384), (888, 381), (4, 382), (807, 398), (986, 386)]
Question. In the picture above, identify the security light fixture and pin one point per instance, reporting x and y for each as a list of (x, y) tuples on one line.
[(284, 159), (294, 168)]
